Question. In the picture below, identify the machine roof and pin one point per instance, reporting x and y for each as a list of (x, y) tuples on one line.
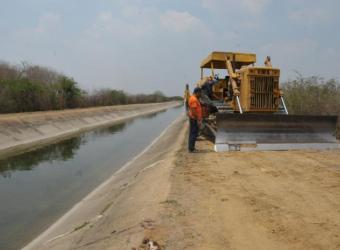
[(218, 59)]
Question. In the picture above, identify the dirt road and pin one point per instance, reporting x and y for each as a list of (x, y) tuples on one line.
[(257, 200), (232, 200)]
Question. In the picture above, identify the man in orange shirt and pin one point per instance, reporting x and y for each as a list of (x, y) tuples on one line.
[(195, 118)]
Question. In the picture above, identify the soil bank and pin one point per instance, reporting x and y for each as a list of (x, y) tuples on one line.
[(208, 200)]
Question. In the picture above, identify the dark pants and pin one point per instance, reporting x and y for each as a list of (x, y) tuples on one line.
[(193, 133)]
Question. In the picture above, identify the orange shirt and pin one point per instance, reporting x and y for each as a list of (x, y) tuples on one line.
[(195, 109)]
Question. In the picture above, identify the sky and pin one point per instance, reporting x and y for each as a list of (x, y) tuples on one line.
[(143, 46)]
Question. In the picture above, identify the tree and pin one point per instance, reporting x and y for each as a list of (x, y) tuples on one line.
[(70, 92)]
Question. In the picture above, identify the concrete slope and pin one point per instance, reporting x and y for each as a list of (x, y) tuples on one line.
[(26, 130), (124, 209)]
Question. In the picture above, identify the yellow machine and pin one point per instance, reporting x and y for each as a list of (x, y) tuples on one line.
[(246, 108)]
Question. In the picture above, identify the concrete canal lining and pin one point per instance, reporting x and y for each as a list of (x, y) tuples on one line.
[(26, 130), (118, 206)]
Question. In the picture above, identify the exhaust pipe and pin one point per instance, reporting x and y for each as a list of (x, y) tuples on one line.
[(284, 105), (239, 104)]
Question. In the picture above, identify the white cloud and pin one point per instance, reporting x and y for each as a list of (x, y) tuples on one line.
[(210, 4), (254, 6), (251, 6), (46, 30), (132, 22), (291, 55), (179, 21), (47, 22), (126, 47), (292, 47), (308, 56), (124, 42), (310, 16), (103, 24)]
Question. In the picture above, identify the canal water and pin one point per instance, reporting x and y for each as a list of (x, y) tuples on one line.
[(37, 187)]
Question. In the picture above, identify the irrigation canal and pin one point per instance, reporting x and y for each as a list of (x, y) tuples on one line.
[(39, 186)]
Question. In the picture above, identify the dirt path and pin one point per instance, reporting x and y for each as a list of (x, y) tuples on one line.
[(257, 200), (208, 200)]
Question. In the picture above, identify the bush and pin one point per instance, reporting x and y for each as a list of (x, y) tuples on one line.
[(34, 88), (313, 95)]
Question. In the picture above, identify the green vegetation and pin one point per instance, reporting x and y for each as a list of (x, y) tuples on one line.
[(29, 88), (313, 95)]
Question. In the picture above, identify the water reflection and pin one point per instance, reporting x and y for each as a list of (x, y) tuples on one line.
[(117, 128), (152, 115), (61, 151)]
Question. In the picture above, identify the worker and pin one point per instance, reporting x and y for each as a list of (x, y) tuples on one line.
[(186, 97), (207, 87), (195, 118)]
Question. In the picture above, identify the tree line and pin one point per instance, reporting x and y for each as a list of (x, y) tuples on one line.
[(313, 96), (27, 88)]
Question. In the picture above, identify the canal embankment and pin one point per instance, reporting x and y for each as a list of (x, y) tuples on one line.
[(208, 200), (39, 186), (22, 131), (120, 211)]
